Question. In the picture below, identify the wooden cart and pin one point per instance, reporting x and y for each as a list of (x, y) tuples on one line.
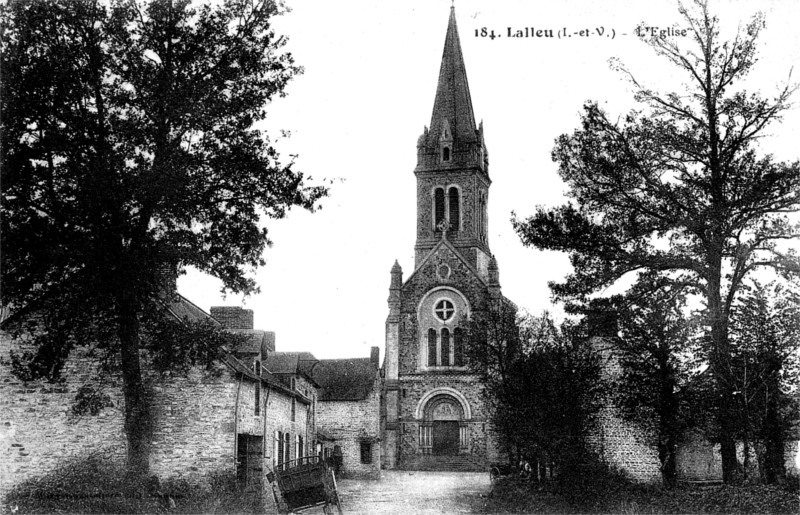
[(305, 483)]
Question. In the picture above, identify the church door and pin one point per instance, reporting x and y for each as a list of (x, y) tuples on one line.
[(445, 437)]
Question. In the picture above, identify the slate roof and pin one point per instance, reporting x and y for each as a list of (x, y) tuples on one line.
[(289, 362), (257, 341), (453, 102), (301, 363), (266, 378), (184, 309), (345, 379)]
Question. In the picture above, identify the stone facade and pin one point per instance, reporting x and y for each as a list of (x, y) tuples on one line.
[(354, 426), (433, 407), (195, 419), (37, 428), (627, 447), (348, 412), (617, 442), (208, 421)]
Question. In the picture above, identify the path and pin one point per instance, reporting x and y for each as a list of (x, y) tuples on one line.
[(425, 493)]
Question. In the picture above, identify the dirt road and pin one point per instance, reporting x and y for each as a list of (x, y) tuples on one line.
[(426, 493)]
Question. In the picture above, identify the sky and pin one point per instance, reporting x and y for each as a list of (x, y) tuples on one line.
[(353, 117)]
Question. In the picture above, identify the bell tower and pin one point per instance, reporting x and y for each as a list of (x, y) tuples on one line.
[(433, 403), (453, 166)]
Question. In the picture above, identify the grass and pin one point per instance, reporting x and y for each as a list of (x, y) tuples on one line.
[(615, 495), (95, 485)]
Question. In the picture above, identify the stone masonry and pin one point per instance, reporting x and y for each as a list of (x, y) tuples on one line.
[(198, 419)]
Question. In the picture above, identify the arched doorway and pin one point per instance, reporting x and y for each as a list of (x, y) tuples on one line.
[(443, 416)]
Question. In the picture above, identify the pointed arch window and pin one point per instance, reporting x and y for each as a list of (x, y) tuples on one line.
[(445, 361), (438, 207), (445, 154), (455, 208), (431, 347)]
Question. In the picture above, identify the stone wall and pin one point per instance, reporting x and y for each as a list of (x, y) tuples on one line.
[(193, 424), (195, 417), (37, 428), (625, 447), (622, 445), (350, 423)]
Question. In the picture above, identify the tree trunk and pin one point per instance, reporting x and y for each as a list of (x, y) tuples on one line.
[(669, 467), (774, 459), (720, 366), (137, 416), (668, 417)]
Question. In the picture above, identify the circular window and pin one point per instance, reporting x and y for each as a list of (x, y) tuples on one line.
[(444, 310)]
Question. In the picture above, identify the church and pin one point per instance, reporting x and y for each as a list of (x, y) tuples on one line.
[(433, 413)]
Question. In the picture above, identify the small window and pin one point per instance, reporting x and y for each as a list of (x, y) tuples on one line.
[(366, 452), (278, 458), (446, 154), (444, 310), (257, 368), (257, 408), (294, 408), (294, 383), (286, 447)]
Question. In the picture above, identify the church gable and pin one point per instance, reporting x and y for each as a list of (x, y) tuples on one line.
[(443, 266), (444, 277)]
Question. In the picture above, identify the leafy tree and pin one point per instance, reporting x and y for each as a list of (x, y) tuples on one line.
[(765, 330), (679, 188), (541, 381), (129, 150), (657, 354)]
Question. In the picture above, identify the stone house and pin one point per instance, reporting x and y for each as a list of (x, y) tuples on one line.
[(348, 412), (294, 435), (237, 418)]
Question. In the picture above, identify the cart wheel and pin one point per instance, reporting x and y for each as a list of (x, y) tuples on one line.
[(494, 474)]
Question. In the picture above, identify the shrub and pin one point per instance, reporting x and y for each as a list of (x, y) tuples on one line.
[(97, 484)]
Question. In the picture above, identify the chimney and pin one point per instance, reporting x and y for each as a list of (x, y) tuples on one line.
[(167, 277), (233, 317), (602, 322), (374, 356)]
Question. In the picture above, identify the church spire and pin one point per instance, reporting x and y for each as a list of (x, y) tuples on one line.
[(452, 139), (453, 105)]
